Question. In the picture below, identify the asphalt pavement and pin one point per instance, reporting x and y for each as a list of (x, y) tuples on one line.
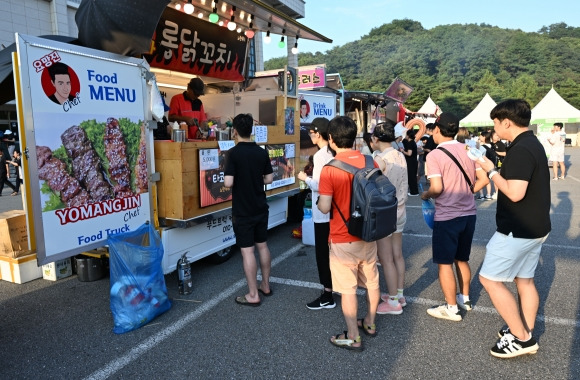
[(63, 329)]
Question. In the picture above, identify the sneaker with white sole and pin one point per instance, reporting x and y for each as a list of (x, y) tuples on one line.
[(464, 305), (508, 346), (387, 308), (402, 300), (325, 301), (443, 312)]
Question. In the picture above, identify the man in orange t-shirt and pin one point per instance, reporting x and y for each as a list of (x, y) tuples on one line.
[(188, 108), (353, 262)]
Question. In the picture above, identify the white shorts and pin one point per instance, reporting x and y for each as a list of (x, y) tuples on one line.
[(401, 223), (557, 155), (507, 257)]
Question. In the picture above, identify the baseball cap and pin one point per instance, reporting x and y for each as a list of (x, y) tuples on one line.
[(400, 130), (197, 86), (319, 124), (446, 119)]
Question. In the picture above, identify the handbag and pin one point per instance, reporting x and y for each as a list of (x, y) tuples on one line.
[(459, 166)]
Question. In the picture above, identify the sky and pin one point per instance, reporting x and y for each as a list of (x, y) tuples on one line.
[(345, 21)]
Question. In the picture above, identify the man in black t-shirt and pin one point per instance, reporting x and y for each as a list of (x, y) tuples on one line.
[(429, 146), (248, 169), (523, 224)]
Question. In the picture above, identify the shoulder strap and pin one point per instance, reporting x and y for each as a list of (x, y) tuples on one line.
[(459, 166), (369, 162)]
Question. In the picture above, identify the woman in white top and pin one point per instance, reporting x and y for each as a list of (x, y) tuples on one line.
[(318, 131), (390, 249)]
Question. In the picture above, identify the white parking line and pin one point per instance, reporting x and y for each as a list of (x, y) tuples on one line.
[(116, 365)]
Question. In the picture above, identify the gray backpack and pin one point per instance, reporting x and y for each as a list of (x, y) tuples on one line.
[(373, 203)]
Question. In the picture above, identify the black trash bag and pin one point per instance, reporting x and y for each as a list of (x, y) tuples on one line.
[(138, 291)]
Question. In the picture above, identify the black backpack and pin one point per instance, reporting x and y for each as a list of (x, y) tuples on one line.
[(373, 204)]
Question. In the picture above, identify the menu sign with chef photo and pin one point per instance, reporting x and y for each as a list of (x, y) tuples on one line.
[(87, 142), (212, 163)]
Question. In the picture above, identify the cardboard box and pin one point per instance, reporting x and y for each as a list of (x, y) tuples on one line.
[(56, 270), (13, 234), (19, 270)]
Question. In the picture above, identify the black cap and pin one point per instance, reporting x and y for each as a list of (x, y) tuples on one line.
[(446, 119), (319, 124)]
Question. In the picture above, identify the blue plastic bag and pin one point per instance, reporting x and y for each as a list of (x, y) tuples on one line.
[(138, 291), (428, 209)]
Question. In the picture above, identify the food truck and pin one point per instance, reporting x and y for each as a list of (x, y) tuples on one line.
[(92, 164)]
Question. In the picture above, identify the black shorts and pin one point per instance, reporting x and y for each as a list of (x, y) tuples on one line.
[(250, 229), (452, 239)]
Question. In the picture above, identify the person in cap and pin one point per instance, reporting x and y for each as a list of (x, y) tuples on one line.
[(187, 107), (318, 131), (523, 224), (455, 214), (400, 131)]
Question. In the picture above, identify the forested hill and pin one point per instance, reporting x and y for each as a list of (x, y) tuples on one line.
[(458, 64)]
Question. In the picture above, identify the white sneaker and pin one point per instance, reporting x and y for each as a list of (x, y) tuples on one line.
[(464, 305), (443, 312)]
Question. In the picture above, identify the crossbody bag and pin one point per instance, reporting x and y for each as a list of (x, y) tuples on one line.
[(459, 166)]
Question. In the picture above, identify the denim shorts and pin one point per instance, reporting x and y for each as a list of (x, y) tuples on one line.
[(507, 257), (452, 239), (250, 229)]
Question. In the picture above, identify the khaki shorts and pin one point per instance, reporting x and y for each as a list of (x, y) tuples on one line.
[(353, 265)]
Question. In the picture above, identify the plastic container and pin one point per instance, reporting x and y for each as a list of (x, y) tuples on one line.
[(89, 268), (307, 228)]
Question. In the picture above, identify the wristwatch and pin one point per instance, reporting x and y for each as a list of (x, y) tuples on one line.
[(491, 173)]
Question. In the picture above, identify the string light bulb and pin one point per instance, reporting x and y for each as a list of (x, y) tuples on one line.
[(295, 48), (232, 22), (267, 39), (188, 8), (250, 32), (282, 44), (214, 17)]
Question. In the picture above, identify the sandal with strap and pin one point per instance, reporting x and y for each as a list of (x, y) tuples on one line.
[(366, 328), (346, 343)]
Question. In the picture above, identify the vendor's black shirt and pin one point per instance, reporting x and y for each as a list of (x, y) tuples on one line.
[(248, 164), (530, 217)]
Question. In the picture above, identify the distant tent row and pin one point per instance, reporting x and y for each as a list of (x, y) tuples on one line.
[(551, 109)]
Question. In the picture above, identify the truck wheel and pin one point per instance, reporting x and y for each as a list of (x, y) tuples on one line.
[(222, 256)]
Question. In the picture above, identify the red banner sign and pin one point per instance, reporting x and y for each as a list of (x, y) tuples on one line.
[(187, 44)]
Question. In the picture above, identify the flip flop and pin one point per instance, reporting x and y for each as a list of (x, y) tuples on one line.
[(266, 294), (243, 301)]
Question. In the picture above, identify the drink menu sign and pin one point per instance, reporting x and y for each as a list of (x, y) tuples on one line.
[(86, 140), (187, 44)]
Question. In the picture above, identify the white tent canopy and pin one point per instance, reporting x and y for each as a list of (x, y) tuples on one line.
[(479, 117), (553, 108), (428, 110)]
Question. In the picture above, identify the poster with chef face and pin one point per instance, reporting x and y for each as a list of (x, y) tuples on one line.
[(87, 148)]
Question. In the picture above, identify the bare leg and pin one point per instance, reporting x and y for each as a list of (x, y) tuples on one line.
[(385, 253), (265, 266), (555, 169), (399, 260), (447, 281), (463, 276), (563, 169), (250, 270), (506, 305), (373, 299), (529, 301), (349, 310)]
